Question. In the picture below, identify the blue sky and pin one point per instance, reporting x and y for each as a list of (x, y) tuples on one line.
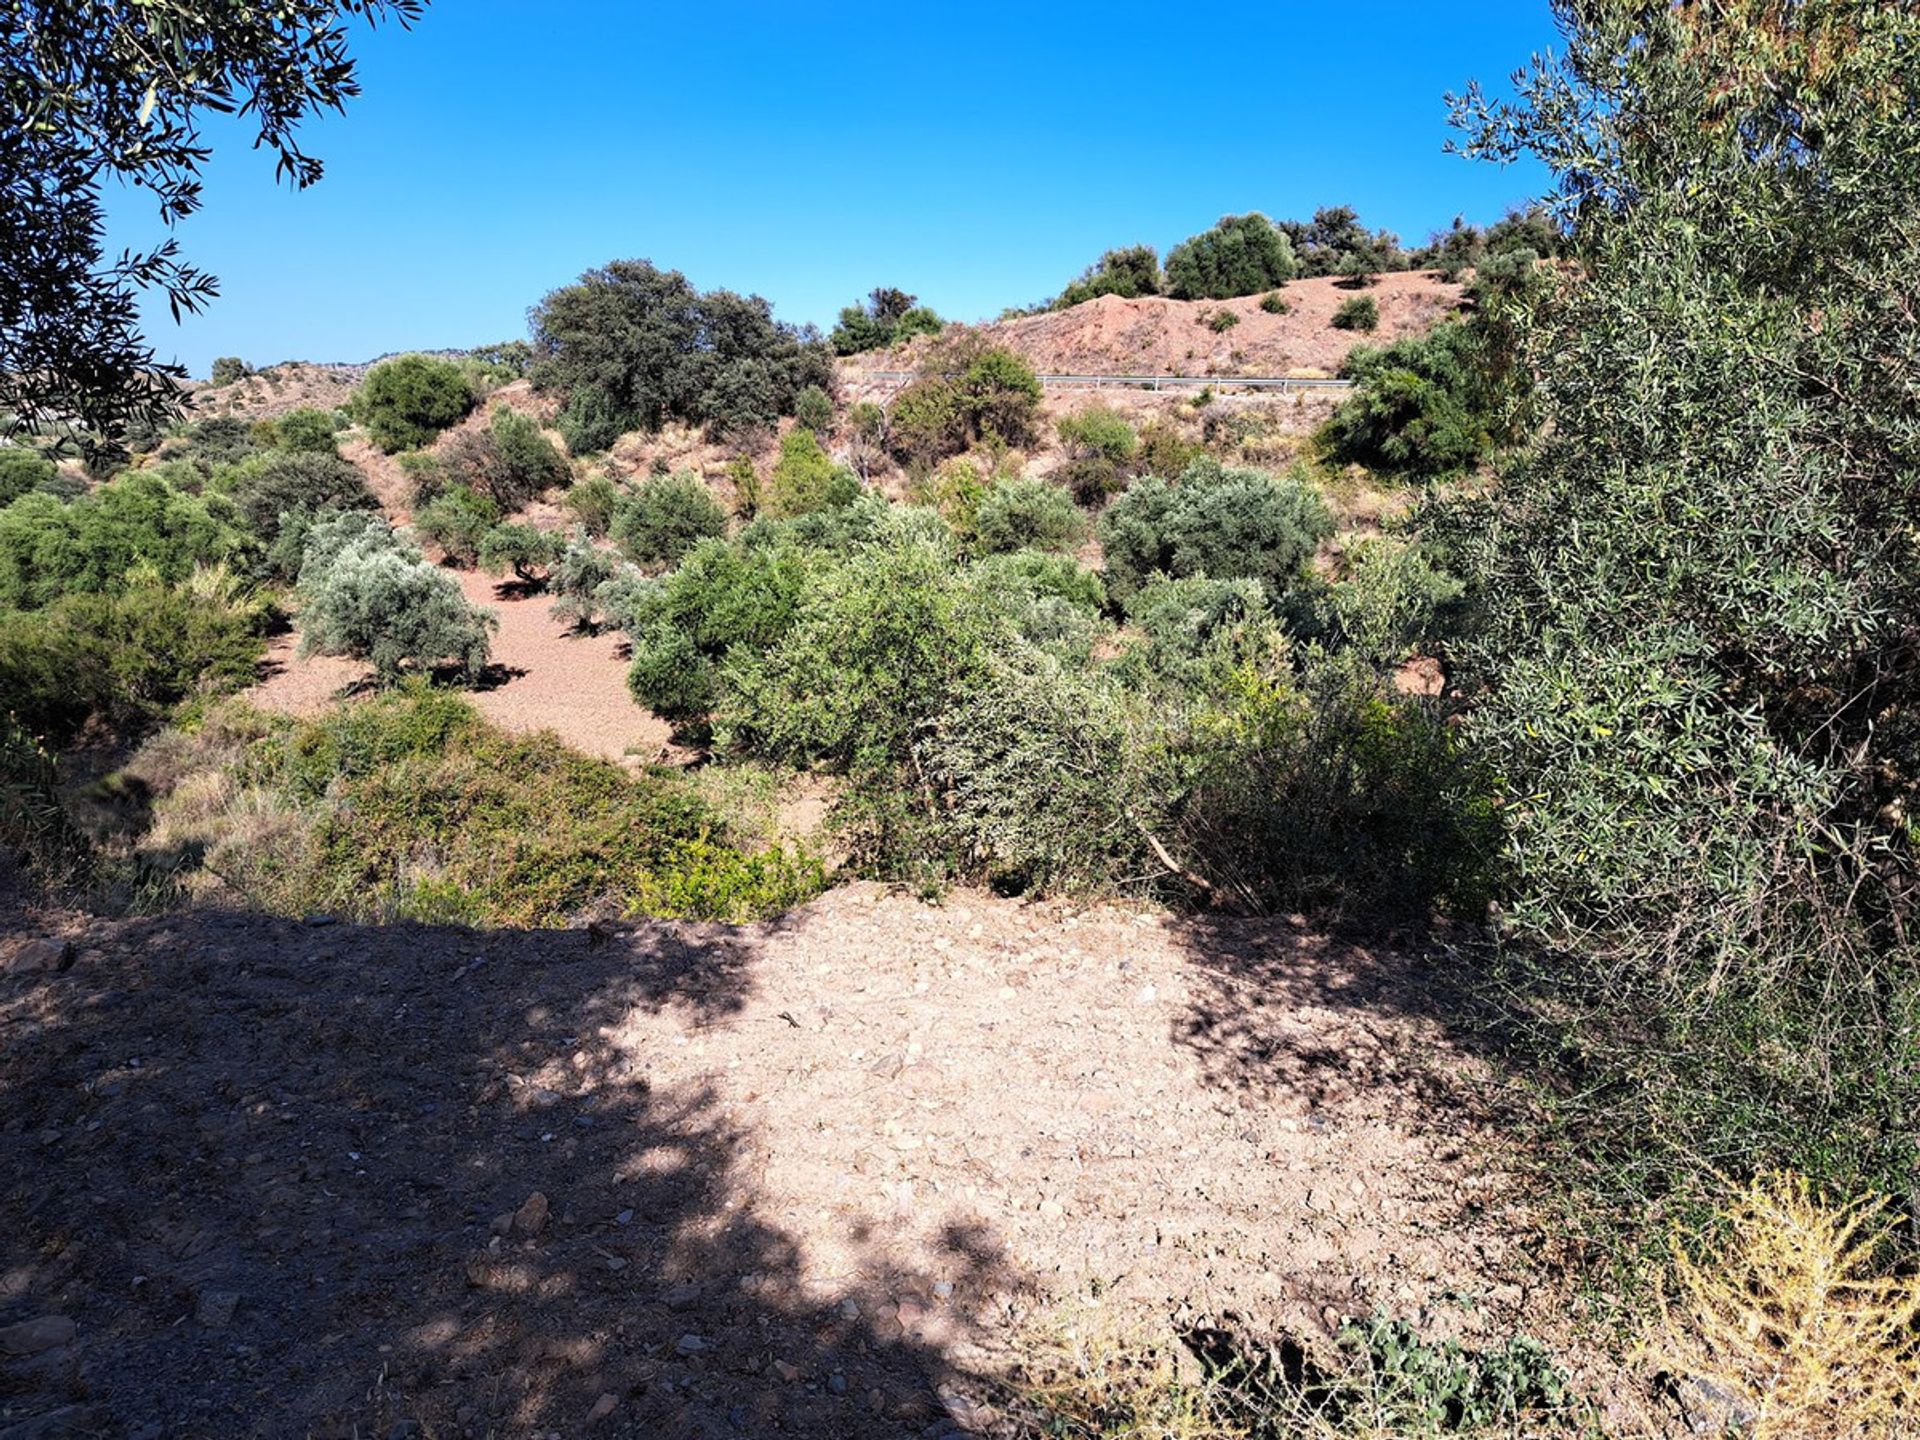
[(978, 155)]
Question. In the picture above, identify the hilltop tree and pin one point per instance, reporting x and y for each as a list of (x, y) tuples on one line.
[(885, 317), (100, 92), (1242, 255), (1334, 242), (1129, 273)]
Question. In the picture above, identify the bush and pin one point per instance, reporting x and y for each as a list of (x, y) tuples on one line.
[(1241, 255), (814, 410), (632, 347), (664, 517), (1222, 321), (578, 578), (510, 462), (229, 368), (1362, 312), (217, 440), (427, 478), (366, 594), (1225, 524), (407, 401), (22, 470), (308, 430), (1421, 408), (457, 521), (293, 485), (721, 597), (525, 549), (1099, 432), (1335, 241), (1000, 396), (1128, 273), (88, 546), (593, 502), (805, 478), (1026, 514), (128, 657), (409, 805), (1274, 303), (926, 423), (886, 317)]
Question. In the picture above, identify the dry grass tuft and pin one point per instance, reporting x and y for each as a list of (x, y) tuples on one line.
[(1797, 1318)]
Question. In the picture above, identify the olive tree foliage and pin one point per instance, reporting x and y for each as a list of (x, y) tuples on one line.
[(631, 346), (367, 593), (1241, 255), (1695, 596), (102, 93)]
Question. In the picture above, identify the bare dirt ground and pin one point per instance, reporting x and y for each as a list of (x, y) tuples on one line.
[(543, 677), (813, 1177), (1157, 336)]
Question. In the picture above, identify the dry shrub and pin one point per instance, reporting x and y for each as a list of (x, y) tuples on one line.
[(1797, 1317)]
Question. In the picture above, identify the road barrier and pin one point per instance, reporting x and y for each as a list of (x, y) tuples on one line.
[(1281, 383)]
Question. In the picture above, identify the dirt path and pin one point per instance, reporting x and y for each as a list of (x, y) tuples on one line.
[(545, 678), (806, 1178)]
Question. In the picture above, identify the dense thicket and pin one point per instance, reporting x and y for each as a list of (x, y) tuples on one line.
[(1694, 594), (631, 347)]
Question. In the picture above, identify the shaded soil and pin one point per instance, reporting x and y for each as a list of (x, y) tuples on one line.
[(810, 1177)]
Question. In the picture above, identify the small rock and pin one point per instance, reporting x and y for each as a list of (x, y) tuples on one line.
[(848, 1309), (683, 1297), (404, 1430), (837, 1383), (625, 1217), (30, 1337), (603, 1407), (1710, 1408), (215, 1308), (787, 1373), (531, 1218), (1052, 1210), (502, 1224), (739, 1417), (39, 956), (319, 922), (691, 1344), (943, 1288)]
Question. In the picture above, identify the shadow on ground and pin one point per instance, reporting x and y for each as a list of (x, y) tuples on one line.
[(337, 1181)]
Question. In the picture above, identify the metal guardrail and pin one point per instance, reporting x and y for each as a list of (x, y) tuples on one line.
[(1144, 382)]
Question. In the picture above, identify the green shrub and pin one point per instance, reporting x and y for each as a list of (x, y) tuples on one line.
[(805, 478), (1222, 320), (1099, 431), (591, 421), (1274, 303), (408, 805), (814, 410), (1129, 273), (1362, 312), (1026, 514), (128, 657), (664, 517), (925, 423), (457, 521), (1335, 241), (1241, 255), (594, 502), (1184, 618), (229, 368), (285, 486), (886, 317), (1051, 601), (22, 470), (920, 320), (88, 546), (1225, 524), (1422, 408), (578, 579), (721, 597), (367, 594), (308, 430), (217, 440), (632, 347), (525, 549), (1000, 396), (427, 478), (510, 462), (406, 402)]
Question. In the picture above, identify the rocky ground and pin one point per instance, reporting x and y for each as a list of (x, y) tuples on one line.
[(821, 1177)]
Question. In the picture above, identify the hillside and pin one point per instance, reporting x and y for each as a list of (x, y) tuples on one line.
[(1158, 336)]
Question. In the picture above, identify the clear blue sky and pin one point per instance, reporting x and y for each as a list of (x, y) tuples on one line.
[(978, 155)]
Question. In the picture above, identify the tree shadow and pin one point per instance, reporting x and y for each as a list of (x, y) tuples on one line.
[(1260, 1021), (333, 1180)]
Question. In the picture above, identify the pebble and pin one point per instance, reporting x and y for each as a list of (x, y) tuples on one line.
[(30, 1337), (837, 1383), (691, 1344), (215, 1308), (788, 1373), (603, 1407), (848, 1309), (531, 1218)]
